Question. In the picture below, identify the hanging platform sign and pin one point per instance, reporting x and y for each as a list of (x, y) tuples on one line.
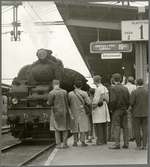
[(135, 30), (109, 46), (111, 56)]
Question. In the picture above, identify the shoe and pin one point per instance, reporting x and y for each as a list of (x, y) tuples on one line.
[(114, 147), (65, 146), (75, 144), (58, 146), (138, 148), (89, 141), (124, 146), (132, 139), (110, 140), (84, 144), (143, 148), (99, 144)]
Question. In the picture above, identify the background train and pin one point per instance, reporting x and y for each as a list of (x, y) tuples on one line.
[(5, 92), (28, 112)]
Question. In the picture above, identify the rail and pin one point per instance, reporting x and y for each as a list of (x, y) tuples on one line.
[(36, 155), (8, 148), (27, 159)]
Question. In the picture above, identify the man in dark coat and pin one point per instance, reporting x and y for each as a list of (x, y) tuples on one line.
[(139, 104), (119, 103), (59, 122)]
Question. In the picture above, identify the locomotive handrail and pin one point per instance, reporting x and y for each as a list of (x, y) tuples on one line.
[(32, 98), (20, 108)]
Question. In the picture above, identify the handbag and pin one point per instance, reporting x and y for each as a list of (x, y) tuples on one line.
[(86, 107)]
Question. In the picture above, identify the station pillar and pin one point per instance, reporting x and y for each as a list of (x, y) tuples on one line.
[(141, 53), (141, 61)]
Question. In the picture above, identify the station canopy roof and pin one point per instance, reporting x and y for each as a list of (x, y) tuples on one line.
[(83, 20)]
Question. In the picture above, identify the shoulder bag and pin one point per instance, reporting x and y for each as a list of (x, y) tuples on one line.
[(86, 107)]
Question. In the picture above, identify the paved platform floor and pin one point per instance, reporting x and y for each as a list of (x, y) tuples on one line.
[(96, 155)]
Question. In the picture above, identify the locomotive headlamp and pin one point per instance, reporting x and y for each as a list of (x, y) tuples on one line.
[(14, 101)]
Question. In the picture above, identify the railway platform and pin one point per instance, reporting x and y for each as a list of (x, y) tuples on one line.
[(96, 155)]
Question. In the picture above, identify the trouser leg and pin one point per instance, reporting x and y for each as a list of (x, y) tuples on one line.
[(133, 133), (130, 126), (96, 131), (116, 124), (100, 133), (82, 137), (65, 136), (144, 131), (117, 135), (125, 131), (87, 135), (112, 131), (91, 127), (109, 132), (137, 131), (92, 130), (104, 133), (58, 137), (75, 136)]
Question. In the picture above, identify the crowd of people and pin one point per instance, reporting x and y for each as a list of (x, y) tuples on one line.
[(100, 113)]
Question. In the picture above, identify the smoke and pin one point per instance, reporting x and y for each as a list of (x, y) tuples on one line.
[(40, 35)]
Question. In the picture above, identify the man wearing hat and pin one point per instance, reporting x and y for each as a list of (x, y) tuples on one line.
[(119, 103)]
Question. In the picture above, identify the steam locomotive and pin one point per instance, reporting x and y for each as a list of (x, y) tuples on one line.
[(28, 112)]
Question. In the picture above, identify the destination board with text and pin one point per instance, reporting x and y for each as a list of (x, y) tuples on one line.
[(109, 46)]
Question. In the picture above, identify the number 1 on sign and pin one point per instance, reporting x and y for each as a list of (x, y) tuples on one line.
[(141, 32)]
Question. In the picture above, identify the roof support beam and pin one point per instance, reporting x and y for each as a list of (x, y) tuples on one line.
[(93, 24), (83, 23), (11, 3)]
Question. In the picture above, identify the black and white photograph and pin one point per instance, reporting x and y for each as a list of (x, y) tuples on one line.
[(74, 82)]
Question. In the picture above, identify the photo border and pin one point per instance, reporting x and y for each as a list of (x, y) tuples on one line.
[(80, 1)]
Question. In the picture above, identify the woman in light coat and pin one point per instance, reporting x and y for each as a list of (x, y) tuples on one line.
[(100, 113), (79, 122)]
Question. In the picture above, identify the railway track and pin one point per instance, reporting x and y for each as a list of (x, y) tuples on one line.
[(34, 156), (21, 154), (10, 147)]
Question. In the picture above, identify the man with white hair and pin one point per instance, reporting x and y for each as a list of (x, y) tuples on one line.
[(100, 113)]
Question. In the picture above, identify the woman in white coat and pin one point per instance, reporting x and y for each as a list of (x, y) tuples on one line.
[(100, 113)]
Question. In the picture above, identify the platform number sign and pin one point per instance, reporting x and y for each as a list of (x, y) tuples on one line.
[(135, 30)]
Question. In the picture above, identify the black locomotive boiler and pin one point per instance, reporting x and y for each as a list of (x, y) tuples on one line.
[(28, 112)]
